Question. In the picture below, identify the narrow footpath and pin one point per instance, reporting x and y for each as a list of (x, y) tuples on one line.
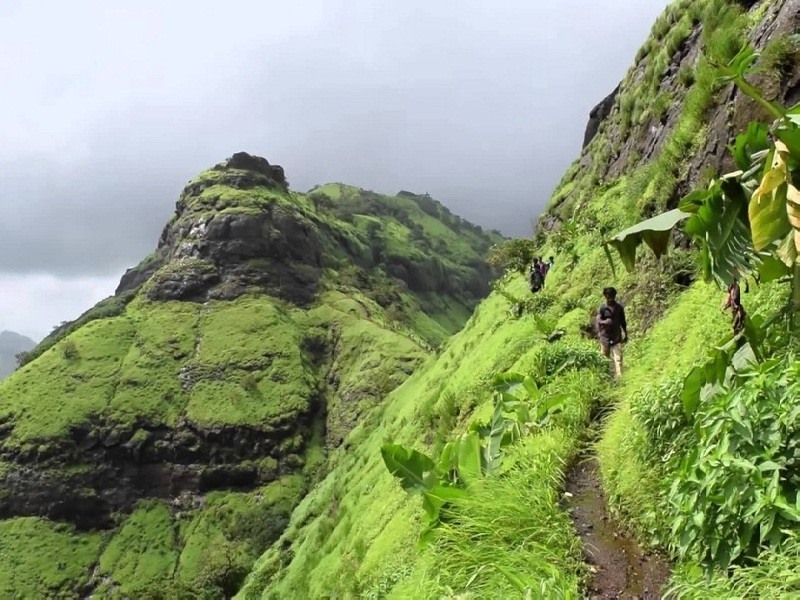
[(619, 567)]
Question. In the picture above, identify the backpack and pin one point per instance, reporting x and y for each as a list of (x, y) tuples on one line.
[(536, 280)]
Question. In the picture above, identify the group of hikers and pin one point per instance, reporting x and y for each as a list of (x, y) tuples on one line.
[(538, 272), (610, 322)]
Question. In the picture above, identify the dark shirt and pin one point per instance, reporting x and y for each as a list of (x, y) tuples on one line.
[(611, 333)]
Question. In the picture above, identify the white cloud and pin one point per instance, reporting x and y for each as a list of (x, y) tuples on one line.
[(33, 304)]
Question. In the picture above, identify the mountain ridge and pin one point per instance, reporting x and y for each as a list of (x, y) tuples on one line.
[(232, 361)]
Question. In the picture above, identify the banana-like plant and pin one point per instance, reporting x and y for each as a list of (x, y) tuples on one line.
[(519, 407)]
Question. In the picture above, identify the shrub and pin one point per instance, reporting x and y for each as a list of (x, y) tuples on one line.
[(779, 55), (736, 490), (260, 525), (69, 350), (513, 255), (563, 356), (686, 75), (660, 412), (250, 382), (224, 568)]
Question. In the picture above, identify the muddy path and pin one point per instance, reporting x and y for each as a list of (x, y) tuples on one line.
[(618, 565)]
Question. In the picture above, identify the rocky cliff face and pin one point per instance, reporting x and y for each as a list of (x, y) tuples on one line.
[(671, 110)]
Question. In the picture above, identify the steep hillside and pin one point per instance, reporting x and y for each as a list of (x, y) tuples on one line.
[(665, 131), (167, 434), (12, 344)]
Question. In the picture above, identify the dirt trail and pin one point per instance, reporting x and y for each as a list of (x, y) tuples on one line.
[(621, 569)]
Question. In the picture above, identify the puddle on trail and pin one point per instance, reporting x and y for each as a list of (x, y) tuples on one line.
[(621, 569)]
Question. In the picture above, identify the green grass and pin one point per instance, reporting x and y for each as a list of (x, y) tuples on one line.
[(509, 527), (772, 575), (84, 384), (309, 375), (677, 342), (356, 531), (39, 559), (144, 551)]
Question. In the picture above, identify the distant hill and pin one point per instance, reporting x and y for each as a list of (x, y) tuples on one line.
[(12, 344)]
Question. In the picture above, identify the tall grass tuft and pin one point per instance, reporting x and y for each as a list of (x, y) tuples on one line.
[(509, 538)]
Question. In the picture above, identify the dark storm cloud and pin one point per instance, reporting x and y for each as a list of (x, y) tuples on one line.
[(109, 110)]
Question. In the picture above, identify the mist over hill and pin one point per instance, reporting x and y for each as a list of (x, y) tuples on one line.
[(12, 344)]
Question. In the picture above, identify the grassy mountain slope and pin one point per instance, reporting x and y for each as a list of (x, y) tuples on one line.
[(167, 434), (667, 130)]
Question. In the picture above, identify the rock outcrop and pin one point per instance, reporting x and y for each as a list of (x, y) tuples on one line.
[(597, 115)]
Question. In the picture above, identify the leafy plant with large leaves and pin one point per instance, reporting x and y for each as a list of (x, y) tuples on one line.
[(748, 221), (736, 486), (733, 439), (520, 406)]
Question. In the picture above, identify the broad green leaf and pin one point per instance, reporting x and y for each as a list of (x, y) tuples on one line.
[(754, 140), (493, 450), (720, 227), (549, 406), (412, 468), (530, 387), (448, 461), (690, 396), (432, 502), (694, 200), (469, 458), (790, 136), (769, 221), (654, 232), (504, 381), (772, 269)]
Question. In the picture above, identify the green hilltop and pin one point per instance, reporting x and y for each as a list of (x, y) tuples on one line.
[(199, 404)]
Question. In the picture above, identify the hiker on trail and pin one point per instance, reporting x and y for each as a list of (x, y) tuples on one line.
[(550, 262), (734, 302), (612, 330), (535, 277), (545, 267)]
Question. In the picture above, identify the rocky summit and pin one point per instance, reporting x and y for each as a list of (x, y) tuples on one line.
[(227, 367)]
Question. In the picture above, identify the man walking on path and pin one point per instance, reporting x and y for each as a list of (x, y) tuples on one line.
[(612, 330)]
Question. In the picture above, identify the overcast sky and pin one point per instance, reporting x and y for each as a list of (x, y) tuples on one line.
[(108, 108)]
